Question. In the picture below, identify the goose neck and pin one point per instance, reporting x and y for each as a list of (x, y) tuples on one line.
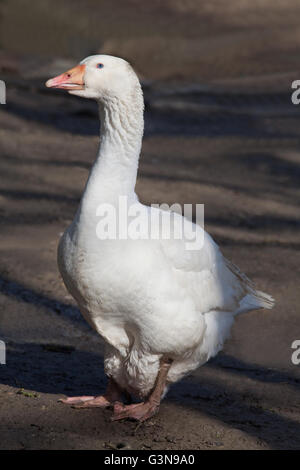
[(115, 169)]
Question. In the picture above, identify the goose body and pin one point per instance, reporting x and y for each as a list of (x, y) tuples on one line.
[(163, 310)]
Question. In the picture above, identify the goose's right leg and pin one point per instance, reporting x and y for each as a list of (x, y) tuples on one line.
[(147, 409), (113, 394)]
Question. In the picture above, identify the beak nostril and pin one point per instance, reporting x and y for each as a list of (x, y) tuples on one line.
[(72, 79)]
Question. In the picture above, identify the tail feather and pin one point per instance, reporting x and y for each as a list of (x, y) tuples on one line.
[(253, 299), (264, 300)]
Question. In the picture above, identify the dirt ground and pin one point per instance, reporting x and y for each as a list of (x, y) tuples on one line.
[(230, 141)]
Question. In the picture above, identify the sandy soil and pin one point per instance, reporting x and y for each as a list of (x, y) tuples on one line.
[(231, 143)]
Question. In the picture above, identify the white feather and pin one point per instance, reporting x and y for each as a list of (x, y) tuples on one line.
[(146, 298)]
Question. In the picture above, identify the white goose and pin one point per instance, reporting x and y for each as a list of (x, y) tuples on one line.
[(162, 309)]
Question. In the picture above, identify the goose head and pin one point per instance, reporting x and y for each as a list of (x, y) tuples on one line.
[(98, 77)]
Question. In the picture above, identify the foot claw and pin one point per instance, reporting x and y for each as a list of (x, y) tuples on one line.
[(75, 400), (138, 412), (87, 402), (97, 402)]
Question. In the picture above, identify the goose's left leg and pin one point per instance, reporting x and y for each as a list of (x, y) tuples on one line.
[(148, 408), (112, 395)]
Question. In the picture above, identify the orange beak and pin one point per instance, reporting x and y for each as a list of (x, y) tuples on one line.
[(73, 79)]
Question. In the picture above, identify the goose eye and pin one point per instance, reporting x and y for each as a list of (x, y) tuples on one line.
[(100, 66)]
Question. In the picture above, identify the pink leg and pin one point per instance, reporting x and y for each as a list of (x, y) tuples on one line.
[(145, 410), (113, 394)]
